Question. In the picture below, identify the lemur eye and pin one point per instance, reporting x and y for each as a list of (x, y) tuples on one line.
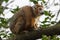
[(40, 9)]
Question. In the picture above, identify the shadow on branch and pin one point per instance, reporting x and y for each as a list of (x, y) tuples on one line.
[(33, 35)]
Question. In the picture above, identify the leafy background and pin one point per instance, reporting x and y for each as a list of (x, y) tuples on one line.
[(5, 33)]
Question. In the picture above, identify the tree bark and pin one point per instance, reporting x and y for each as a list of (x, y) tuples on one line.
[(33, 35)]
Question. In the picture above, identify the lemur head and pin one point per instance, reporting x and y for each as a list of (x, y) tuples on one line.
[(38, 10)]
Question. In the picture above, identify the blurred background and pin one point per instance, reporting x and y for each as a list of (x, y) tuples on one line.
[(9, 7)]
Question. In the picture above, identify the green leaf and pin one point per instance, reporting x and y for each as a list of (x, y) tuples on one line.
[(14, 10), (53, 22), (52, 16), (11, 35), (1, 2), (45, 25), (34, 1), (3, 22), (1, 10), (44, 37), (2, 31), (43, 1), (4, 36), (45, 21), (46, 18), (54, 37), (6, 0), (47, 13)]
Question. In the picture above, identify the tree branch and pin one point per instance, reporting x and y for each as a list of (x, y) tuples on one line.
[(49, 31)]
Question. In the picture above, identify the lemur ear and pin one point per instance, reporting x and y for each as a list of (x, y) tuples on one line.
[(38, 5)]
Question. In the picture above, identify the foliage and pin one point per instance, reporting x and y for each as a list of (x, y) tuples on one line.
[(48, 19), (6, 0), (46, 13), (36, 1), (4, 21), (44, 37), (15, 10)]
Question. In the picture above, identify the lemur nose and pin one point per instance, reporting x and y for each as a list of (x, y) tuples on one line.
[(42, 13)]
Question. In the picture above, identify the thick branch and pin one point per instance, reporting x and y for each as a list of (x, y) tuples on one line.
[(54, 30)]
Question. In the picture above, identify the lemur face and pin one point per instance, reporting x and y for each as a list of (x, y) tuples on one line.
[(38, 9)]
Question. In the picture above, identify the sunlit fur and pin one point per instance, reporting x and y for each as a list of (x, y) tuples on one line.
[(24, 19)]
